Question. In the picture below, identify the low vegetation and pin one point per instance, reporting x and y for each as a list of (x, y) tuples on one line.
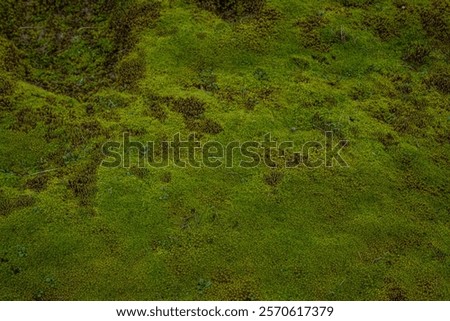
[(75, 74)]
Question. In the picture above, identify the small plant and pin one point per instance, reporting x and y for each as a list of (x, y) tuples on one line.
[(207, 80), (22, 251), (39, 295), (166, 177), (261, 75), (203, 285)]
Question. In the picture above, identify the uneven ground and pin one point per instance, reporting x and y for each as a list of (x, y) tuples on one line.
[(76, 74)]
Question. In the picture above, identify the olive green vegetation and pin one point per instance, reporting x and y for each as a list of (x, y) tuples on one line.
[(75, 74)]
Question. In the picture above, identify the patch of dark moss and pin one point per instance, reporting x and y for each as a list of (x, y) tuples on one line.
[(37, 182), (416, 54), (6, 86), (383, 25), (129, 71), (359, 93), (25, 120), (265, 21), (11, 58), (9, 204), (273, 178), (59, 40), (439, 79), (356, 3), (127, 21), (82, 181), (405, 118), (387, 139), (321, 122), (311, 28), (232, 9), (6, 105), (205, 125), (435, 20), (73, 48), (81, 133), (403, 84), (139, 172), (396, 293), (154, 107), (323, 59), (190, 108), (166, 177), (300, 62)]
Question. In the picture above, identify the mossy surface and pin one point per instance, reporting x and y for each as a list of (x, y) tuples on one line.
[(75, 74)]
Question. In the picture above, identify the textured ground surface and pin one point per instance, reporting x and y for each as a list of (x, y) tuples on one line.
[(74, 75)]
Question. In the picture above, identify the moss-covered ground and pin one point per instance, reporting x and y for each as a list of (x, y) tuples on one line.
[(74, 74)]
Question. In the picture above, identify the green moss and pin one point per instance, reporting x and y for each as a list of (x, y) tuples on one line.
[(9, 204), (82, 182), (139, 172), (37, 182), (357, 3), (6, 87), (273, 178), (439, 79), (128, 20), (75, 75), (383, 24), (416, 54), (311, 28), (232, 9), (190, 107), (130, 70), (435, 20), (154, 107)]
